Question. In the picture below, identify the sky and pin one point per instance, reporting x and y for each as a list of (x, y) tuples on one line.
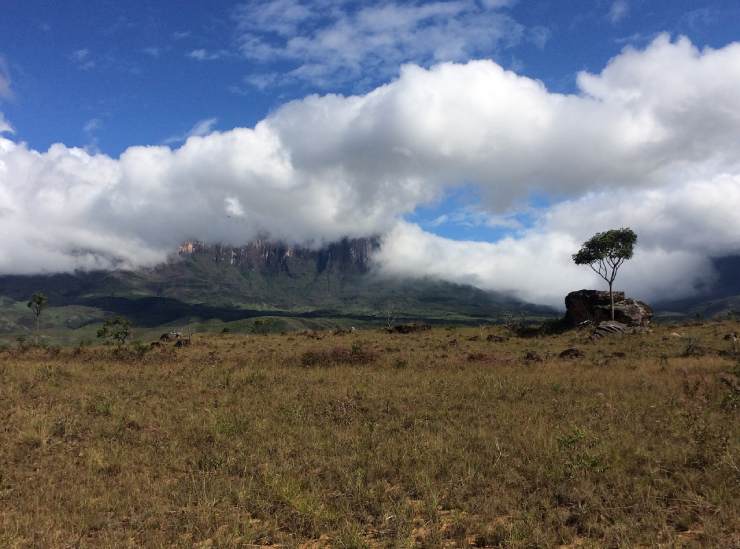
[(483, 140)]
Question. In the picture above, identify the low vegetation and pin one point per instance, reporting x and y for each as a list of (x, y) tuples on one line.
[(441, 437)]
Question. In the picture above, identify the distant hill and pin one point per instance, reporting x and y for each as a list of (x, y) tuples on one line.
[(227, 284), (721, 299)]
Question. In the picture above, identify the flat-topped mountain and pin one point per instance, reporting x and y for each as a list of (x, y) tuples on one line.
[(271, 257), (206, 281)]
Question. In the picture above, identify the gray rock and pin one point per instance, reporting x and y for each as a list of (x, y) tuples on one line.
[(609, 327), (571, 353), (594, 306)]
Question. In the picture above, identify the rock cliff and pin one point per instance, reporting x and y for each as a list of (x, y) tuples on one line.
[(595, 306), (349, 256)]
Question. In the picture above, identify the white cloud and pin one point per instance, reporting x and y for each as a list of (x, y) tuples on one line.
[(152, 51), (335, 42), (5, 80), (5, 93), (206, 55), (92, 125), (648, 142), (203, 127), (83, 59), (261, 81), (200, 129), (495, 4), (618, 11), (5, 126)]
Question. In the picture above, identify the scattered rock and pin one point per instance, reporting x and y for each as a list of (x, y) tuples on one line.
[(532, 356), (583, 306), (609, 327), (408, 328), (571, 353)]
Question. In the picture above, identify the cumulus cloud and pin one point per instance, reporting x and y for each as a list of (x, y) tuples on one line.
[(333, 42), (648, 142)]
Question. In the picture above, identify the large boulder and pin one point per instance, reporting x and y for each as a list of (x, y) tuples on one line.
[(595, 306)]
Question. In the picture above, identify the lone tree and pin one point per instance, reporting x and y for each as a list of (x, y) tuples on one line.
[(605, 253), (37, 304)]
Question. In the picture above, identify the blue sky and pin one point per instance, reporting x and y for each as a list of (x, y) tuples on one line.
[(116, 74), (464, 129)]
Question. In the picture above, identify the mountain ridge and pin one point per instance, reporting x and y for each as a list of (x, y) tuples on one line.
[(224, 284), (213, 281)]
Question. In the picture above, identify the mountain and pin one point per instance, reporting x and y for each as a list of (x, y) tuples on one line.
[(722, 298), (228, 285), (214, 286)]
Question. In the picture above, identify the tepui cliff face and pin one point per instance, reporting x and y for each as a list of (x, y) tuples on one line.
[(348, 256)]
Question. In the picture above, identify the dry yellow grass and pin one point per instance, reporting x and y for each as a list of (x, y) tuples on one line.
[(438, 438)]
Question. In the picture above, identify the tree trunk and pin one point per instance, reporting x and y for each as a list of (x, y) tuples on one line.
[(611, 298)]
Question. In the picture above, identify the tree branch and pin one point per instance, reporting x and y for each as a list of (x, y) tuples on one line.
[(599, 270)]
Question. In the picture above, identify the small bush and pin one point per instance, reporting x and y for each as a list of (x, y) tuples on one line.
[(117, 329)]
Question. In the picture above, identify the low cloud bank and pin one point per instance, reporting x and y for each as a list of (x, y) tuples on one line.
[(649, 142)]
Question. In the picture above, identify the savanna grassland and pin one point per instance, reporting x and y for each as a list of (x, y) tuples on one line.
[(445, 437)]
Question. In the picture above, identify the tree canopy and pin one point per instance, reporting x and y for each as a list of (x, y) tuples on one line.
[(605, 253)]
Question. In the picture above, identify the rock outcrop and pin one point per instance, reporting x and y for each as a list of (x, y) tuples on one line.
[(595, 306), (272, 257)]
